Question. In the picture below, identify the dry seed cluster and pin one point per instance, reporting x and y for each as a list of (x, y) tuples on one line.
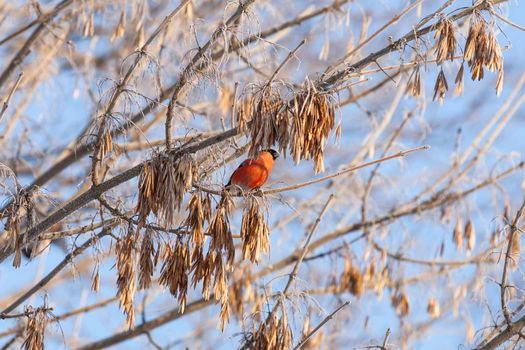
[(149, 255), (162, 184), (313, 119), (36, 326), (255, 233), (441, 87), (482, 49), (189, 257), (22, 211), (400, 303), (126, 283), (461, 234), (303, 125), (446, 44), (243, 293), (199, 211), (270, 121), (351, 279), (175, 270), (414, 83), (219, 230), (274, 334)]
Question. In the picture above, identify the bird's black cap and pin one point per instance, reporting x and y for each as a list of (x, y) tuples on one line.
[(273, 152)]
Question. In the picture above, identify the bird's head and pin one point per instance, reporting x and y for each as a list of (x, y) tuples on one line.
[(273, 152)]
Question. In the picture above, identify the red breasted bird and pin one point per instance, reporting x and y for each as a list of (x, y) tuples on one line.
[(253, 173)]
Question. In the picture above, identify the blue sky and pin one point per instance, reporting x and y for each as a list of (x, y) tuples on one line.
[(65, 113)]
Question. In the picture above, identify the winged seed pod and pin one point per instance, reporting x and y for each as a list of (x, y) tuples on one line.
[(240, 293), (162, 184), (244, 113), (414, 84), (482, 49), (446, 44), (433, 308), (274, 334), (457, 235), (220, 291), (351, 279), (175, 270), (313, 117), (441, 87), (459, 81), (199, 209), (95, 284), (370, 271), (470, 235), (269, 121), (35, 328), (146, 260), (315, 341), (400, 303), (126, 278), (219, 230), (203, 267), (21, 212), (255, 233), (515, 249)]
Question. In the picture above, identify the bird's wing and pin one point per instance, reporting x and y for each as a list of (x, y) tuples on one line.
[(242, 165)]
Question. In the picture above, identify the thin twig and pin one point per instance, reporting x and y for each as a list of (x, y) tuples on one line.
[(10, 95), (385, 341), (295, 270), (26, 313), (507, 21), (86, 309), (318, 327), (503, 285), (283, 63)]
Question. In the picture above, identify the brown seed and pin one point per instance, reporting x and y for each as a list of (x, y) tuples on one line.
[(351, 279), (146, 260), (441, 87), (126, 274), (175, 270), (254, 231), (414, 84), (95, 284), (459, 81), (313, 117), (219, 230), (400, 303), (433, 308), (162, 184), (470, 236), (457, 235), (446, 45), (35, 329)]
